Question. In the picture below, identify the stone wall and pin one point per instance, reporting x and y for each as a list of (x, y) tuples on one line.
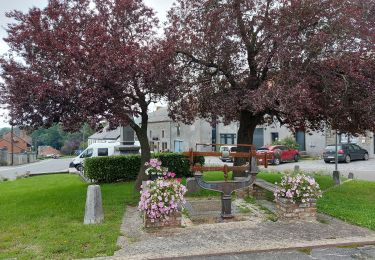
[(286, 210), (173, 221), (18, 158)]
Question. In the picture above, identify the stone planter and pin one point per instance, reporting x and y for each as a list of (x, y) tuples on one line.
[(173, 221), (286, 210)]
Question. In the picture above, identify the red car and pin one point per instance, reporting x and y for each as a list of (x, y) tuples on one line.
[(279, 153)]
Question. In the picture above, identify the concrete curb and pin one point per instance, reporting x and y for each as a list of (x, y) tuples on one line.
[(345, 244), (48, 173), (357, 242)]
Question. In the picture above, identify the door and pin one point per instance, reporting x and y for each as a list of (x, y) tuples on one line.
[(258, 137), (178, 146), (300, 139), (357, 151), (285, 153)]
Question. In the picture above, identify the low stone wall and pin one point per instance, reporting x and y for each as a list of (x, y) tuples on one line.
[(286, 210), (173, 221), (21, 158)]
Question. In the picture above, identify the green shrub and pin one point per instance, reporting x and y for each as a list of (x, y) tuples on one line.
[(126, 167), (289, 142), (112, 168)]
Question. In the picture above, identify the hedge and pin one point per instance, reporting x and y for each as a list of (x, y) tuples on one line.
[(125, 167)]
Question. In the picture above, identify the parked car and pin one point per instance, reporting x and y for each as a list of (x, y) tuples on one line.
[(345, 153), (279, 154), (225, 150)]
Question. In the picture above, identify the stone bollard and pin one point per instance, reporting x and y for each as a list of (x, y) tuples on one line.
[(336, 177), (296, 168), (351, 175), (94, 206)]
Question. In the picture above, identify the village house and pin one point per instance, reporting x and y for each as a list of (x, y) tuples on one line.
[(166, 135), (21, 142)]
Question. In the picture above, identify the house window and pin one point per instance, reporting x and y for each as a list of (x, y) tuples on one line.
[(162, 133), (102, 151), (274, 137), (164, 146), (178, 131), (150, 134), (227, 138)]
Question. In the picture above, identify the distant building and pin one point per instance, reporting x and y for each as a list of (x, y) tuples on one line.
[(104, 136), (46, 150), (21, 142), (166, 135)]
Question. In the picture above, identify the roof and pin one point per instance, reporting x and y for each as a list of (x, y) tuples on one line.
[(106, 134), (160, 115)]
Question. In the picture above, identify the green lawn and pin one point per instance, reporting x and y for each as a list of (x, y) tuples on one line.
[(354, 202), (325, 181), (41, 218)]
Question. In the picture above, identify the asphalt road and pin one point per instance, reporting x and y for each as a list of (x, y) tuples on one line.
[(45, 166), (363, 170)]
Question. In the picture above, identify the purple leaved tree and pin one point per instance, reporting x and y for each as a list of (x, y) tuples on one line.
[(79, 61), (304, 63)]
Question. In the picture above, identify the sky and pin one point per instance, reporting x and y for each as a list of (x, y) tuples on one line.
[(160, 6)]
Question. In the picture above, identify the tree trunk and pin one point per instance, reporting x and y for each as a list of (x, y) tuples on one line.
[(248, 123), (145, 156)]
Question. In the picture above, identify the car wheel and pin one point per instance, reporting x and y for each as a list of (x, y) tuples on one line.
[(296, 158), (327, 161), (276, 161), (347, 159), (79, 168), (365, 157)]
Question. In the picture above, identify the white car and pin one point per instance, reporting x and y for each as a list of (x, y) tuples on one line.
[(95, 150), (225, 150)]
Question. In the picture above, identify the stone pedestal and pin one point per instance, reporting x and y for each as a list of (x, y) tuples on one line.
[(173, 221), (286, 210), (94, 207), (192, 185)]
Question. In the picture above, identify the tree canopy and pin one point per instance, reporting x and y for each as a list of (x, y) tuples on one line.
[(81, 61), (305, 63)]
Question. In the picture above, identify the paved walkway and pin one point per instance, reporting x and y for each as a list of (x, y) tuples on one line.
[(234, 238)]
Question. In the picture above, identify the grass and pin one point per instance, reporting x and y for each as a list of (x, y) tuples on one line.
[(353, 201), (42, 218), (325, 181)]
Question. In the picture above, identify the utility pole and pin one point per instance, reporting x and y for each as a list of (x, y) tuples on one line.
[(11, 144), (336, 173)]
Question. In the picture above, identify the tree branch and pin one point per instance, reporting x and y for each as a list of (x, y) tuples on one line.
[(228, 75)]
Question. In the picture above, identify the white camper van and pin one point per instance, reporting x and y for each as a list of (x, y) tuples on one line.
[(95, 150)]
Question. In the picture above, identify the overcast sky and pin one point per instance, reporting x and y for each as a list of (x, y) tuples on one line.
[(160, 6)]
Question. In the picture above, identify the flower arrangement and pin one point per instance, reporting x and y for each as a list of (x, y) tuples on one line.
[(155, 169), (298, 188), (159, 198)]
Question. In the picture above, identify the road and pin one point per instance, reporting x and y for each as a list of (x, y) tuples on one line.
[(363, 170), (45, 166)]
